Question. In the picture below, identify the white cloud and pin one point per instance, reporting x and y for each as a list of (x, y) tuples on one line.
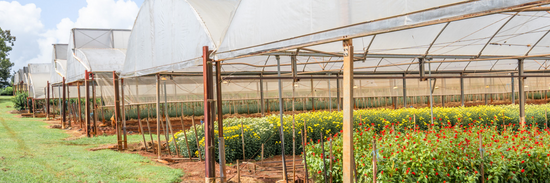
[(24, 23), (20, 18), (34, 43)]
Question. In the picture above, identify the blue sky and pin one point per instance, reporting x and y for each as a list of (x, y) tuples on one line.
[(39, 23)]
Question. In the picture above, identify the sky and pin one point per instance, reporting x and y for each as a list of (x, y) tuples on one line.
[(37, 24)]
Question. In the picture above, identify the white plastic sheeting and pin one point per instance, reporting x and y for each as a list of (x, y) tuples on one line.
[(95, 50), (39, 74), (59, 63), (306, 23), (168, 35)]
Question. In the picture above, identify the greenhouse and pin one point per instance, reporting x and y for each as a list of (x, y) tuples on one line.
[(334, 91)]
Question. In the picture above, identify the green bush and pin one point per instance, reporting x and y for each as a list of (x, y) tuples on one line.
[(20, 100), (7, 91)]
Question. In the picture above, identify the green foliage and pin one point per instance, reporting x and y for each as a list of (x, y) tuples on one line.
[(20, 100), (266, 130), (447, 154), (6, 42), (6, 91)]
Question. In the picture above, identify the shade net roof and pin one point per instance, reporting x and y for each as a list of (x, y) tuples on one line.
[(39, 75), (95, 50), (59, 63), (168, 35), (394, 34), (388, 36)]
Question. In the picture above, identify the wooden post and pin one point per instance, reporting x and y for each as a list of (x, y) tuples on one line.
[(221, 140), (117, 115), (304, 140), (294, 72), (347, 134), (238, 172)]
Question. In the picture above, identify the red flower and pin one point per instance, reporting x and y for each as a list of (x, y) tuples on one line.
[(410, 118), (319, 172), (360, 124), (434, 118), (522, 161), (458, 119), (522, 170), (474, 121), (440, 119), (413, 173)]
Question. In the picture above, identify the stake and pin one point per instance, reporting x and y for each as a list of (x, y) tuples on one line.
[(141, 127), (196, 137), (281, 132), (168, 123), (481, 154), (323, 157), (238, 172), (331, 157), (242, 138), (79, 104), (374, 171), (304, 140), (149, 126), (185, 133)]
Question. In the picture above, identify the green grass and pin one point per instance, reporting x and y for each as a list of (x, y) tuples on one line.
[(30, 152)]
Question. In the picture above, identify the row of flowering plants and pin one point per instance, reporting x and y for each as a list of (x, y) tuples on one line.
[(265, 130), (439, 154)]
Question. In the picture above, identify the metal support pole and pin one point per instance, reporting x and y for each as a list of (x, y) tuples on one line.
[(63, 106), (210, 173), (281, 132), (262, 101), (221, 141), (87, 102), (462, 90), (512, 85), (329, 94), (348, 157), (123, 112), (48, 100), (338, 92), (404, 92), (431, 94), (521, 86)]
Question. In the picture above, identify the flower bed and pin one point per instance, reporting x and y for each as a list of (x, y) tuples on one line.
[(265, 130), (449, 154)]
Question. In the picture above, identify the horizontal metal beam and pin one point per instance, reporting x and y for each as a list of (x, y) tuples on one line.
[(380, 77), (404, 56)]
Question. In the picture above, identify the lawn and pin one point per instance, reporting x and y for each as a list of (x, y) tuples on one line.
[(31, 152)]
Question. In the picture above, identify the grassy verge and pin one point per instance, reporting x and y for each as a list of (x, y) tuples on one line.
[(30, 152)]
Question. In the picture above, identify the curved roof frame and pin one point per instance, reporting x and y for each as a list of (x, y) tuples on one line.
[(439, 19)]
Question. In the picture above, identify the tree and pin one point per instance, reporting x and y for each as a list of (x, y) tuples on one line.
[(6, 42)]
